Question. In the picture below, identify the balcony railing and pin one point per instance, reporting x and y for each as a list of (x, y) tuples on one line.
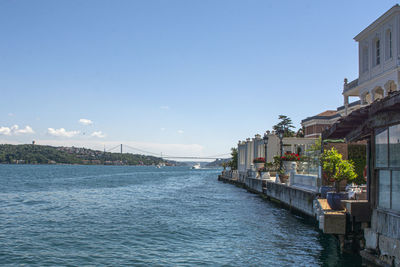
[(350, 85)]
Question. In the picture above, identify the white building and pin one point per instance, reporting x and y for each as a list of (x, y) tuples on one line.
[(253, 148), (379, 60)]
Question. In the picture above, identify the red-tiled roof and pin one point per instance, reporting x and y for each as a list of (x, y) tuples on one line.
[(328, 113)]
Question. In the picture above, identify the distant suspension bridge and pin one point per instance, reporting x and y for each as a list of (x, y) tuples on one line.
[(120, 147)]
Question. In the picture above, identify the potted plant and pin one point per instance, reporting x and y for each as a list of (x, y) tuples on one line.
[(259, 163), (282, 176), (336, 169), (287, 161)]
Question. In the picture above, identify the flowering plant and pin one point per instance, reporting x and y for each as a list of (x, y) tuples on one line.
[(259, 160), (290, 157)]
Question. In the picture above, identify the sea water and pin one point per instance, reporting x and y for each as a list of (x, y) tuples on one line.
[(65, 215)]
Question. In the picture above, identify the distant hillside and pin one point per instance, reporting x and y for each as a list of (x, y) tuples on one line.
[(37, 154), (217, 163)]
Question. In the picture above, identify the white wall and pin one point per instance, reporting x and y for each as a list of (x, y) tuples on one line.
[(253, 148)]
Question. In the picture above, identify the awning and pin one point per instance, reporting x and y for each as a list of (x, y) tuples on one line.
[(359, 124)]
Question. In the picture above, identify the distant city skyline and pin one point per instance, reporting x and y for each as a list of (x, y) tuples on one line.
[(186, 78)]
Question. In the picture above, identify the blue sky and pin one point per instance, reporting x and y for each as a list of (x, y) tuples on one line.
[(178, 77)]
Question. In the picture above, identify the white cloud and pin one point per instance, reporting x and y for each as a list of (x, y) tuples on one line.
[(62, 132), (27, 130), (98, 134), (180, 131), (15, 130), (164, 107), (5, 131), (85, 122)]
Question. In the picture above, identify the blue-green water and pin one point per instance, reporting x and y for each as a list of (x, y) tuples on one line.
[(143, 216)]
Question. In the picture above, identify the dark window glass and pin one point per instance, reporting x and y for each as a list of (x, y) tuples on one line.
[(394, 146), (381, 149), (378, 52), (396, 190), (384, 189)]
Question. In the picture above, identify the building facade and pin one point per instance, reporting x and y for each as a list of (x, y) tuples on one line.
[(379, 71), (377, 122), (252, 148), (379, 125), (379, 60), (315, 125)]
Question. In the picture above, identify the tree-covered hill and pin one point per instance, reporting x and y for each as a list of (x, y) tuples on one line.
[(217, 163), (37, 154)]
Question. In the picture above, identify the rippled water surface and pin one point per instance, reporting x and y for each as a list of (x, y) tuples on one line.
[(124, 216)]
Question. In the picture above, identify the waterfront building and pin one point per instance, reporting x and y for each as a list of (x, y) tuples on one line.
[(374, 119), (315, 125), (379, 61), (379, 125), (252, 148), (379, 66)]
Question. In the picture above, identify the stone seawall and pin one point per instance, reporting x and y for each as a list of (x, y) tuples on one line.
[(255, 185), (294, 198), (347, 224)]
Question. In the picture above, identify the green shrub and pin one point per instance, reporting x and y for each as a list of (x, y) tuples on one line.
[(358, 154), (336, 168)]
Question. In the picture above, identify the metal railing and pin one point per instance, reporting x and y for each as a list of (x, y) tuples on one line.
[(310, 164)]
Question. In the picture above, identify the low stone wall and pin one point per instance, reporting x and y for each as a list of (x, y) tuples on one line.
[(306, 181), (242, 176), (301, 199), (229, 180), (296, 198), (254, 184)]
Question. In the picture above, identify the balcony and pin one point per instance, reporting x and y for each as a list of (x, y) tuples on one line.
[(352, 104), (349, 86)]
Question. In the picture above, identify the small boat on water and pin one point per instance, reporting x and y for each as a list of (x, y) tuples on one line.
[(159, 165), (196, 166)]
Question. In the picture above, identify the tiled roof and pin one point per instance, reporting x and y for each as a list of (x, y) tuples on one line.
[(326, 115)]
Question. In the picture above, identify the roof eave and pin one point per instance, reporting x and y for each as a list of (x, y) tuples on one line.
[(373, 25), (346, 126)]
